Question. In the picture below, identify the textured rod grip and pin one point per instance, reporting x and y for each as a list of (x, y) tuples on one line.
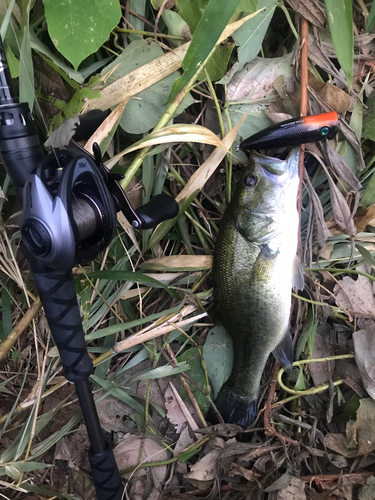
[(106, 475), (58, 295)]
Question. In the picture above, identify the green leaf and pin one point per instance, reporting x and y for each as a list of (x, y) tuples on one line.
[(196, 372), (7, 315), (191, 11), (300, 383), (79, 28), (340, 20), (249, 37), (369, 119), (218, 356), (143, 112), (131, 276), (367, 257), (211, 25)]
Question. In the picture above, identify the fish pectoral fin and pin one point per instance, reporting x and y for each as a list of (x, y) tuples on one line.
[(264, 264), (284, 352), (298, 280)]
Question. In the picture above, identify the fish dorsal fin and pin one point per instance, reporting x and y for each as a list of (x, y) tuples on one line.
[(284, 351), (298, 280)]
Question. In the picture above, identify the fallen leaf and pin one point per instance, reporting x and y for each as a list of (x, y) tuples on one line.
[(360, 435), (178, 263), (294, 491), (323, 371), (356, 296), (202, 474), (364, 217), (174, 413), (364, 350), (312, 10), (368, 491), (136, 450), (111, 413), (73, 449), (249, 475)]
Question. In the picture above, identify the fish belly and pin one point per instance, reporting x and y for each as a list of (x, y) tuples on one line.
[(253, 305)]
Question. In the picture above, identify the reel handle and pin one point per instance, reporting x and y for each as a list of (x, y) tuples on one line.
[(160, 208)]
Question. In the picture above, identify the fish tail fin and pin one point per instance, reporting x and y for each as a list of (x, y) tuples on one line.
[(284, 352), (233, 408)]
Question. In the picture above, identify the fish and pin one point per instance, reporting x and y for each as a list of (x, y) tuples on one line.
[(254, 270), (293, 132)]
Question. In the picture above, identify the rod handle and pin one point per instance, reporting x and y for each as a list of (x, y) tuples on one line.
[(105, 474), (58, 296)]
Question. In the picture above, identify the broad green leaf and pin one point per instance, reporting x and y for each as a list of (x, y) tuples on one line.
[(218, 356), (369, 119), (249, 37), (143, 111), (215, 17), (340, 20), (175, 24), (191, 11), (78, 28), (192, 357)]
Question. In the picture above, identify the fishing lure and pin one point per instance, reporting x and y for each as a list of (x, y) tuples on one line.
[(293, 132)]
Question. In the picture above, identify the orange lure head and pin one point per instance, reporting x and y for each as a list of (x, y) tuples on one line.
[(293, 132)]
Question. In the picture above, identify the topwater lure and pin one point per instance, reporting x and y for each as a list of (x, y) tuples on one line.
[(293, 132)]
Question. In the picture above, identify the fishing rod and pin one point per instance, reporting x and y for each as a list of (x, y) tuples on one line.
[(69, 202)]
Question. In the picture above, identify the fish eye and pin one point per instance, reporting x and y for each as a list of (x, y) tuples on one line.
[(250, 180), (324, 130)]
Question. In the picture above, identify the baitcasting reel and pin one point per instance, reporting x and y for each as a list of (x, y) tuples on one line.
[(70, 204)]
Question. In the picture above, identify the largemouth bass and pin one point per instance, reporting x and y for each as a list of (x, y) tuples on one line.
[(255, 267)]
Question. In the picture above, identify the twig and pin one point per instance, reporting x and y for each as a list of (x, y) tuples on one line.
[(19, 328)]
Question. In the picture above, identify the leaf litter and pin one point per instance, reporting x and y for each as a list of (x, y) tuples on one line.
[(313, 446)]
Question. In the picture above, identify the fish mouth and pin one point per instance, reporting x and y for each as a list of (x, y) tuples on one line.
[(274, 168)]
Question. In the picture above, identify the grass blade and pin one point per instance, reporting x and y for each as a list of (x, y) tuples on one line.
[(340, 20)]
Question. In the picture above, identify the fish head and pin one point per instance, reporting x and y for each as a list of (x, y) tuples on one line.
[(265, 194)]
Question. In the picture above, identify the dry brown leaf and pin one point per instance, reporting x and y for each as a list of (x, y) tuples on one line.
[(105, 128), (249, 475), (321, 372), (333, 96), (73, 448), (136, 450), (360, 435), (312, 10), (111, 413), (341, 210), (322, 230), (356, 296), (179, 263), (341, 169), (368, 491), (295, 491), (364, 217), (174, 413), (202, 473), (364, 350)]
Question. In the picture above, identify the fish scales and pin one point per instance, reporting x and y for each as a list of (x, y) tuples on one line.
[(254, 271)]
